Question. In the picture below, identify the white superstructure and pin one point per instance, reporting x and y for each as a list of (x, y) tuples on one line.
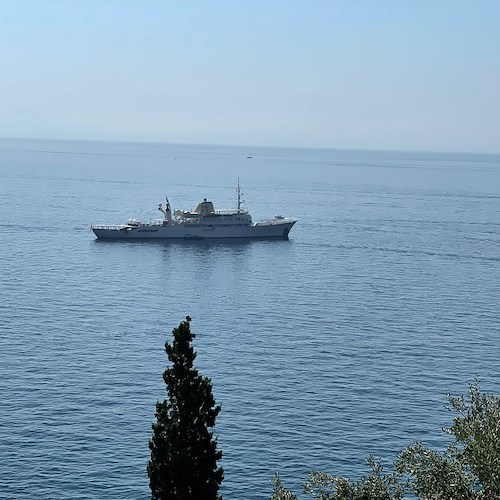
[(203, 222)]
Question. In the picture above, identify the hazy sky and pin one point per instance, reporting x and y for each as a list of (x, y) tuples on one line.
[(377, 74)]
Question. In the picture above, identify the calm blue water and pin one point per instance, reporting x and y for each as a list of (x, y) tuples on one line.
[(338, 343)]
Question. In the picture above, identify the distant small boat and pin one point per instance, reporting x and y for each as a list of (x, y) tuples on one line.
[(203, 222)]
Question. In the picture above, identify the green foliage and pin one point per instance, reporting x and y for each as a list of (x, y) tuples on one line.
[(279, 492), (435, 475), (470, 466), (184, 453), (477, 433), (376, 485), (468, 469)]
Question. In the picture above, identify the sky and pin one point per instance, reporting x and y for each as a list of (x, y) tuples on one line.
[(419, 75)]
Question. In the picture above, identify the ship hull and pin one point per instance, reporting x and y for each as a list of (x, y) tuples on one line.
[(191, 232)]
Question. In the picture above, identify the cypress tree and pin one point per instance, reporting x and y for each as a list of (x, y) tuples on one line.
[(184, 453)]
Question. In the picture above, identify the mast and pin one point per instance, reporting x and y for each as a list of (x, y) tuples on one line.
[(168, 212), (239, 195)]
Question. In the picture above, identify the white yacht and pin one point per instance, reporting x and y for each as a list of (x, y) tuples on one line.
[(203, 222)]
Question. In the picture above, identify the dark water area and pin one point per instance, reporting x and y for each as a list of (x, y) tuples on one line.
[(341, 342)]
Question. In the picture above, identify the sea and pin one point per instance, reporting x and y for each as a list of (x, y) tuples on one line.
[(341, 342)]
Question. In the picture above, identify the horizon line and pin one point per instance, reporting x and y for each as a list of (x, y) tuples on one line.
[(259, 146)]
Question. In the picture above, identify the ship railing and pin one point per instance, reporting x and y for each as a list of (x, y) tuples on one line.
[(114, 227), (108, 226), (229, 211), (153, 222), (272, 222)]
